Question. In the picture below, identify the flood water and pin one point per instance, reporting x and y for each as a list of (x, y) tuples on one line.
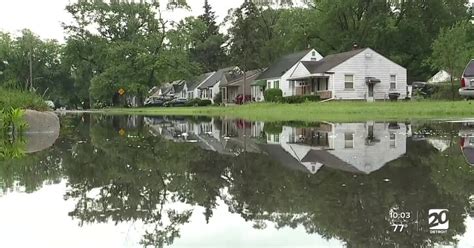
[(127, 181)]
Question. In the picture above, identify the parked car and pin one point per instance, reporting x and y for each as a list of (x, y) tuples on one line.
[(155, 102), (467, 81), (422, 89), (177, 102)]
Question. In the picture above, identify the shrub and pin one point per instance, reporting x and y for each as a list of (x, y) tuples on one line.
[(198, 102), (273, 95), (443, 91), (300, 99), (205, 103), (218, 98), (21, 99), (273, 128)]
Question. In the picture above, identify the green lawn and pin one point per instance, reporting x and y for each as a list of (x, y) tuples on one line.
[(329, 111)]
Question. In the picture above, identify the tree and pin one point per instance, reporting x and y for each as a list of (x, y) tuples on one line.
[(453, 49), (208, 43), (30, 63), (126, 47), (387, 26)]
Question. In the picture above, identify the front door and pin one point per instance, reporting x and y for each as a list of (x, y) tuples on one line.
[(371, 93)]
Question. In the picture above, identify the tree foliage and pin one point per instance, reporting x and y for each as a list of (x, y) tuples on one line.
[(112, 45)]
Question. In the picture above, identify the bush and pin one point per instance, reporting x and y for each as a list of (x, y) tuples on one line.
[(198, 102), (218, 98), (300, 99), (273, 128), (443, 91), (21, 99), (204, 103), (273, 95)]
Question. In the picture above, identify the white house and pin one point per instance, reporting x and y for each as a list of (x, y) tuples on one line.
[(440, 77), (192, 86), (211, 87), (352, 147), (361, 74), (278, 74)]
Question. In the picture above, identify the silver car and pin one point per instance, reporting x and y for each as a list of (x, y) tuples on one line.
[(467, 81)]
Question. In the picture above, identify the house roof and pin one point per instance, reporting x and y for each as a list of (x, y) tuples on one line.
[(282, 65), (330, 61), (215, 78), (329, 160), (178, 86), (238, 79), (163, 90), (277, 153), (193, 84), (469, 71)]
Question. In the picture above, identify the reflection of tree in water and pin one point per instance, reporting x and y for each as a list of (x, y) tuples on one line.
[(356, 209), (137, 177)]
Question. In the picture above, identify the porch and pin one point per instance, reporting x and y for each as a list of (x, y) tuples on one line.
[(230, 93), (317, 85)]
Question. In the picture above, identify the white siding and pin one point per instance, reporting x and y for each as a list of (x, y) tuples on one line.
[(284, 83), (390, 146), (369, 64), (300, 71)]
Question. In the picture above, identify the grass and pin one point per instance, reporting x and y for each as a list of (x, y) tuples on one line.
[(329, 111), (21, 99)]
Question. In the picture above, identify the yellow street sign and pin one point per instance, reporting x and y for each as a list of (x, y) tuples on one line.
[(122, 132), (121, 91)]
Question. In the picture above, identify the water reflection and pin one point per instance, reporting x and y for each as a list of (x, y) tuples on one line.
[(352, 147), (335, 181)]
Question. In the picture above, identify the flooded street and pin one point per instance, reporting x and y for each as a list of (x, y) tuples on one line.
[(128, 181)]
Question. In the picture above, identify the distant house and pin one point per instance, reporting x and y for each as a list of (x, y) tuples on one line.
[(179, 89), (211, 87), (191, 86), (168, 90), (440, 77), (278, 74), (234, 84), (360, 74)]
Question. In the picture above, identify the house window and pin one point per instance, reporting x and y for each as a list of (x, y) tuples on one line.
[(393, 82), (276, 84), (349, 82), (393, 140), (313, 53), (349, 140), (269, 85)]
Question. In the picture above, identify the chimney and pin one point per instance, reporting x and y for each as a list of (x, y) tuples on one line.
[(355, 46)]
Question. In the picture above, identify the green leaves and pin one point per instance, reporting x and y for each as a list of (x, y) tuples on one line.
[(453, 48), (12, 125)]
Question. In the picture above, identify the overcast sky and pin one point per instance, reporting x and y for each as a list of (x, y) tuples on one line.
[(44, 17)]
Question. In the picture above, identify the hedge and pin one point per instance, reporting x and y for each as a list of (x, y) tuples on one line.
[(198, 102), (273, 95), (300, 99)]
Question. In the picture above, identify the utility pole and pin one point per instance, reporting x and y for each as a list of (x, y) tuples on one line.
[(245, 83), (31, 70)]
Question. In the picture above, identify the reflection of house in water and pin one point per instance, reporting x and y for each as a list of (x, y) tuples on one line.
[(353, 147), (230, 137)]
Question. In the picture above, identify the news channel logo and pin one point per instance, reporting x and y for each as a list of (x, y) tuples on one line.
[(438, 220)]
